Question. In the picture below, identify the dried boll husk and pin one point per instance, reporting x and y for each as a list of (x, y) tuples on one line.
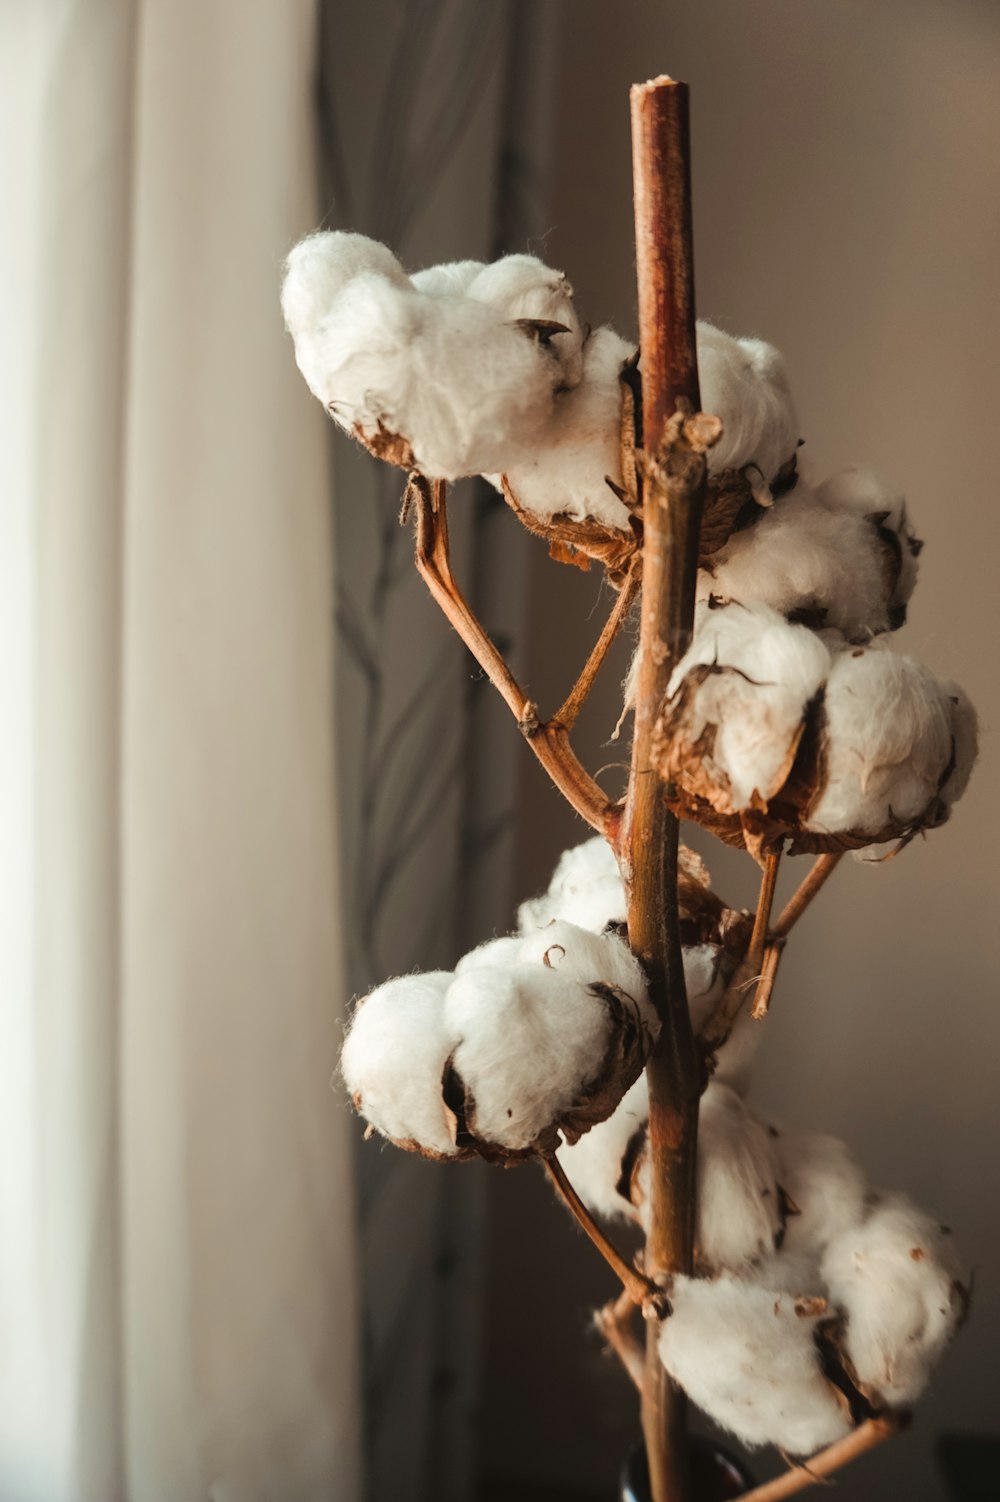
[(736, 706), (815, 562), (442, 382), (394, 1060), (747, 1356), (897, 1280), (884, 509), (745, 383)]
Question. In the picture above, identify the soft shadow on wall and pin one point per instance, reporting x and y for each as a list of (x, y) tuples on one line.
[(839, 156)]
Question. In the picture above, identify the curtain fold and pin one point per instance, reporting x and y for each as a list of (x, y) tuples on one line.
[(177, 1266)]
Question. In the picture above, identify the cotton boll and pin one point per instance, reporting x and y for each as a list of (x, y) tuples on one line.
[(586, 889), (702, 980), (452, 278), (746, 1357), (886, 746), (538, 1052), (739, 1212), (744, 382), (440, 382), (601, 1163), (563, 471), (882, 506), (591, 959), (803, 557), (736, 706), (505, 950), (826, 1185), (965, 743), (394, 1058), (522, 287), (896, 1278), (321, 266)]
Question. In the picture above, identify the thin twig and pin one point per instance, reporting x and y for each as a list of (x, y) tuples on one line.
[(762, 915), (867, 1435), (639, 1289), (749, 972), (567, 713), (768, 976), (550, 742), (822, 868), (615, 1323)]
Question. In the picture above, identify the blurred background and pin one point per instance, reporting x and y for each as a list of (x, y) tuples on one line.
[(246, 773)]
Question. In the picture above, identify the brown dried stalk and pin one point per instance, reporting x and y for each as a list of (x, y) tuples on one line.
[(815, 1471), (673, 494), (639, 1289), (615, 1322)]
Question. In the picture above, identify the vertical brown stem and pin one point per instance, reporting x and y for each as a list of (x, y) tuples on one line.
[(673, 491)]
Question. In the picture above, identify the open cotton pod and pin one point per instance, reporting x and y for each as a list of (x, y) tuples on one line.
[(529, 293), (884, 509), (815, 561), (442, 382), (747, 1356), (897, 1280), (532, 1040)]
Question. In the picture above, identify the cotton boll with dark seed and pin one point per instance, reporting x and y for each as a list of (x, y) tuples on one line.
[(896, 1277), (744, 382), (533, 1054), (884, 508), (522, 287), (738, 1208), (736, 705), (600, 1164), (886, 744), (450, 279), (563, 472), (748, 1359), (804, 557), (394, 1058)]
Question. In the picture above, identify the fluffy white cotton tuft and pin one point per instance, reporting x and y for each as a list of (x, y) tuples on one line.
[(805, 558), (450, 279), (590, 958), (522, 287), (749, 1360), (586, 889), (889, 743), (825, 1183), (443, 381), (562, 473), (884, 508), (896, 1277), (744, 382), (736, 704), (739, 1211), (394, 1059), (505, 950)]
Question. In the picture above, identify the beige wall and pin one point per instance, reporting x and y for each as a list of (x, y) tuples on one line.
[(847, 208)]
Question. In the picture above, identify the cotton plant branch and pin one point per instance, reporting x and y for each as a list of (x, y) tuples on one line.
[(638, 1288), (549, 740), (616, 1323), (817, 1471)]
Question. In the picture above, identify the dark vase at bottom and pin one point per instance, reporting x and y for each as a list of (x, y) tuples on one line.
[(716, 1476)]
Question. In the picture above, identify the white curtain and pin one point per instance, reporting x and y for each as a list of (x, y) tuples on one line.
[(177, 1280)]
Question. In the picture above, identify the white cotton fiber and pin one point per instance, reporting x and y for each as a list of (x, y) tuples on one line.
[(531, 1040), (896, 1279), (825, 1183), (599, 1164), (562, 471), (737, 702), (887, 742), (746, 1357), (449, 279), (439, 380), (590, 958), (744, 382), (805, 557), (884, 508), (586, 889), (394, 1059), (522, 287), (495, 952), (739, 1213)]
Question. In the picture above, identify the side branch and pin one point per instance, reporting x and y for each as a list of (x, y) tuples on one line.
[(638, 1288), (815, 1472), (549, 741)]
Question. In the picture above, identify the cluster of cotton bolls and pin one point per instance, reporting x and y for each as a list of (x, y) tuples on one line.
[(789, 732), (531, 1040)]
